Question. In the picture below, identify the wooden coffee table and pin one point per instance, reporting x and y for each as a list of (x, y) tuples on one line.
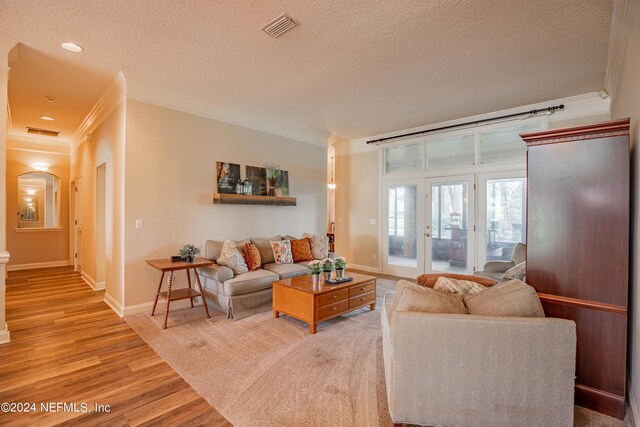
[(298, 297)]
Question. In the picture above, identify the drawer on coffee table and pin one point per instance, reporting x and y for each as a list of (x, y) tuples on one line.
[(364, 288), (333, 297), (364, 299), (330, 310)]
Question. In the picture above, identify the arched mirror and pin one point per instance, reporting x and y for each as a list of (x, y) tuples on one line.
[(38, 200)]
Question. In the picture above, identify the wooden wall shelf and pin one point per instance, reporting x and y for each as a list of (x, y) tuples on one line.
[(241, 199)]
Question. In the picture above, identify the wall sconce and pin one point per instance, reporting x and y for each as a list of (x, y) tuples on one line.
[(40, 167), (332, 184)]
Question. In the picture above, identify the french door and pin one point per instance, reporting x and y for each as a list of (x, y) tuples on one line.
[(449, 224), (403, 224)]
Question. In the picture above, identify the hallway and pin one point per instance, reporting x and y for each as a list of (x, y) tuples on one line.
[(68, 346)]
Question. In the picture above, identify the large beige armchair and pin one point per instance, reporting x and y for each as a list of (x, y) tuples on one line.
[(466, 370), (495, 269)]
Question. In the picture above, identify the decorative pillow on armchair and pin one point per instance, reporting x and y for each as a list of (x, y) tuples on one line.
[(319, 245), (252, 256), (301, 250), (413, 297), (516, 272), (231, 257), (429, 280), (282, 251), (458, 287)]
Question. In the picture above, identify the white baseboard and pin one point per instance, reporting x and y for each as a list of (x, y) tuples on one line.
[(33, 266), (115, 305), (147, 306), (4, 334), (632, 404), (363, 268), (96, 286)]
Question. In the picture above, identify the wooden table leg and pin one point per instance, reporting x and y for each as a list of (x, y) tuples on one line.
[(312, 327), (189, 282), (276, 314), (204, 301), (372, 306), (153, 311), (166, 311)]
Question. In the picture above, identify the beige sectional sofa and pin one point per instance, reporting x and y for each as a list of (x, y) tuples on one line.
[(462, 369), (245, 294)]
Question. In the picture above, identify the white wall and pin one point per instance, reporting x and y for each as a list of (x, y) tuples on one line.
[(105, 146), (170, 179), (627, 104)]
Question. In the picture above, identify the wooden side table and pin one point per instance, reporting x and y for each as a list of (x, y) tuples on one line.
[(166, 265)]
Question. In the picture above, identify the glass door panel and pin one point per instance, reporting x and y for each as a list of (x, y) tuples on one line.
[(449, 241), (403, 225), (505, 214)]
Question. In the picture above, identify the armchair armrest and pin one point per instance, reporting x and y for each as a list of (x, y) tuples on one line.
[(497, 266), (217, 272)]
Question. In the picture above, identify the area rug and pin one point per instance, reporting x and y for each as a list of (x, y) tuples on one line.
[(272, 372)]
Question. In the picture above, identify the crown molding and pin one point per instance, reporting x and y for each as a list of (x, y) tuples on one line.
[(163, 96), (620, 27), (574, 106), (110, 99)]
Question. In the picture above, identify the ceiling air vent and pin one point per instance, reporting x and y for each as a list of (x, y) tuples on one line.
[(44, 132), (279, 26)]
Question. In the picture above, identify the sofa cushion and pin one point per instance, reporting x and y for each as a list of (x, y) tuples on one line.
[(249, 282), (429, 280), (319, 245), (512, 299), (413, 297), (213, 249), (216, 272), (286, 271), (517, 272), (301, 250), (458, 287), (263, 245), (252, 257), (282, 251), (232, 258), (240, 243)]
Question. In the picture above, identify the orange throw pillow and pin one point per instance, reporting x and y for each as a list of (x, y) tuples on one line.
[(252, 256), (429, 280), (301, 250)]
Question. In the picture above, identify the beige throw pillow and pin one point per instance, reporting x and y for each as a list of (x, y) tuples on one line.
[(319, 245), (413, 297), (457, 286), (232, 257), (512, 299), (264, 247)]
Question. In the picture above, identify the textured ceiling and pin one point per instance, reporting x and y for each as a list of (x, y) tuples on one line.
[(352, 68)]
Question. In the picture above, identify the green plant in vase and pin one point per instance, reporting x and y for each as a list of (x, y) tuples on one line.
[(272, 175), (189, 252), (341, 264), (327, 268)]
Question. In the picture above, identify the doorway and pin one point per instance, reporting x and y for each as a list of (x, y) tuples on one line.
[(450, 224), (101, 201)]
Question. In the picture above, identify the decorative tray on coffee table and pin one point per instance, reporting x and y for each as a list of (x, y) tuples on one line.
[(338, 281)]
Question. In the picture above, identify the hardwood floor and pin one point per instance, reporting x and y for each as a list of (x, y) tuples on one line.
[(68, 346)]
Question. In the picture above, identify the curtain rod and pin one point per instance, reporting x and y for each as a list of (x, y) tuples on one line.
[(548, 110)]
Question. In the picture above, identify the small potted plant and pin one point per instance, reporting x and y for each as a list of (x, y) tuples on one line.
[(341, 263), (327, 268), (315, 268), (188, 252), (272, 175)]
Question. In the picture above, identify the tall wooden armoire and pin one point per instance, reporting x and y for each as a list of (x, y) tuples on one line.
[(578, 248)]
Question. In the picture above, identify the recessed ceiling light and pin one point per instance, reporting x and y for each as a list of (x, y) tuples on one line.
[(72, 47), (47, 118)]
